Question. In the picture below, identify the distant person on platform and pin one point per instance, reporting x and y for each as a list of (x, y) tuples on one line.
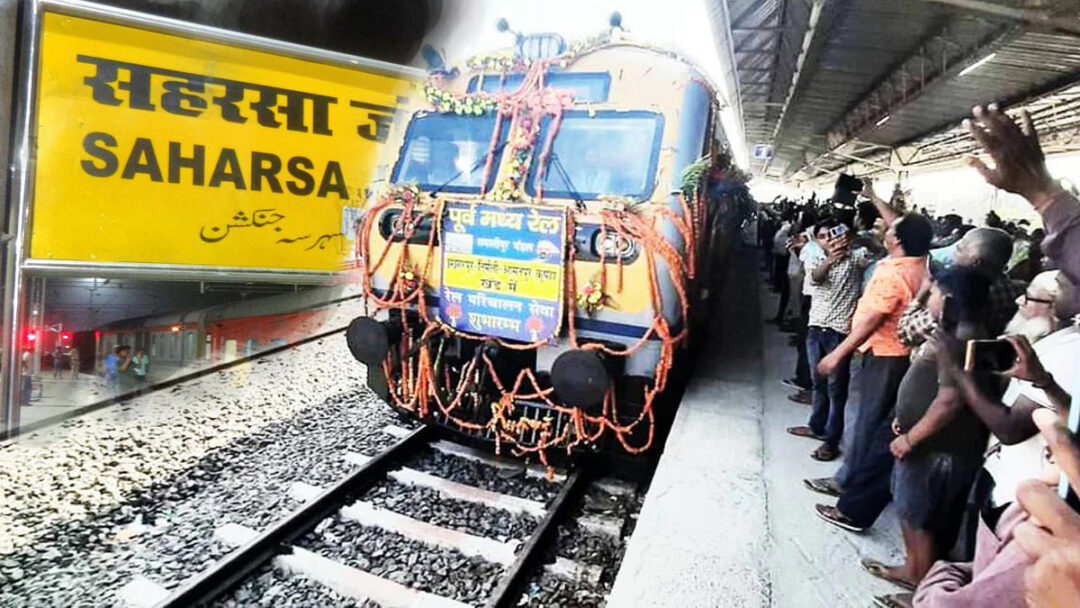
[(27, 370), (57, 362), (116, 363), (140, 363), (74, 354)]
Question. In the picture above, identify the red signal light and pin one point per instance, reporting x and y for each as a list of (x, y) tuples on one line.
[(66, 336), (31, 336)]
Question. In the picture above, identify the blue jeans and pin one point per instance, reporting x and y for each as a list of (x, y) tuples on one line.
[(829, 394), (868, 484)]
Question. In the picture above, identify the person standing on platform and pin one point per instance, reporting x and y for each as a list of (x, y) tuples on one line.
[(885, 358), (58, 362), (140, 364), (809, 251), (781, 241), (74, 354), (26, 369), (116, 363), (836, 282)]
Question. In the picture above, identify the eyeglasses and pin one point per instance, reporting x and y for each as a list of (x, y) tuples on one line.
[(1028, 298)]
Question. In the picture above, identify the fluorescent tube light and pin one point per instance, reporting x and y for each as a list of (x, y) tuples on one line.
[(971, 68)]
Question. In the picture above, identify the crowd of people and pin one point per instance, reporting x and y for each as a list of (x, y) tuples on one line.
[(967, 446)]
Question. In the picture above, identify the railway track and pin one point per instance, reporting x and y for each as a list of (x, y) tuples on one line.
[(280, 547)]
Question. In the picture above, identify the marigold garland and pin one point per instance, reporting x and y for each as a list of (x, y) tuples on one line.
[(424, 384)]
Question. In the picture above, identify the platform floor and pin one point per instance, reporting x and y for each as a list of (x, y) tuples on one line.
[(727, 521), (61, 396)]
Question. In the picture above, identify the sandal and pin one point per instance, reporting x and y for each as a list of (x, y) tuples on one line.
[(881, 571), (804, 431), (895, 600), (824, 485), (825, 453), (838, 519)]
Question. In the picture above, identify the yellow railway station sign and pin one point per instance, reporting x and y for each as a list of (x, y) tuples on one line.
[(153, 147)]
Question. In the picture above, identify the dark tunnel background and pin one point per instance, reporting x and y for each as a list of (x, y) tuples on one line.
[(388, 30)]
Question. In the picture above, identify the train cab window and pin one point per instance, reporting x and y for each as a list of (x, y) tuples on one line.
[(592, 87), (448, 152), (610, 152)]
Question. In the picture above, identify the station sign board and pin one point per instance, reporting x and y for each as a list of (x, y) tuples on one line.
[(763, 152), (159, 146)]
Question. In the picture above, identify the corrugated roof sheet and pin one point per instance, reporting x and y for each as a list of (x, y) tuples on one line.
[(893, 62)]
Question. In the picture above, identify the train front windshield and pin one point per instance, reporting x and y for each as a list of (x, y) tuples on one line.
[(446, 151), (602, 153)]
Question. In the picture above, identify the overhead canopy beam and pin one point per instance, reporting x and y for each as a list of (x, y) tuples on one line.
[(811, 44), (1027, 15)]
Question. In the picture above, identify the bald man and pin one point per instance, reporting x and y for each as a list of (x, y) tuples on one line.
[(987, 250)]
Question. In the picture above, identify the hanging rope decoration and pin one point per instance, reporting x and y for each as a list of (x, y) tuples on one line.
[(424, 384)]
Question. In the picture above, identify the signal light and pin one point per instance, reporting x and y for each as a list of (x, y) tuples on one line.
[(31, 336), (66, 336)]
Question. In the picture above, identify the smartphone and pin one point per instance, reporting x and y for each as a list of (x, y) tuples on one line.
[(836, 232), (950, 315), (1065, 490), (989, 355)]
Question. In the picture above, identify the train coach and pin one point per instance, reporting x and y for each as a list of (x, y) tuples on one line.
[(224, 332), (550, 239)]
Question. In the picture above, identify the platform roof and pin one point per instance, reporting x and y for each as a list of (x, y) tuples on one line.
[(884, 83)]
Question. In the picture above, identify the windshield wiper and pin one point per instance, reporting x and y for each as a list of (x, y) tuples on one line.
[(483, 159), (578, 201)]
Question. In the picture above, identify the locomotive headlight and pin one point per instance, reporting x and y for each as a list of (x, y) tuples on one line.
[(370, 340), (613, 246), (581, 377), (392, 227)]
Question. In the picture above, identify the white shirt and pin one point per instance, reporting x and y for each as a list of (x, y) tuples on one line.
[(811, 254), (781, 237), (1059, 354)]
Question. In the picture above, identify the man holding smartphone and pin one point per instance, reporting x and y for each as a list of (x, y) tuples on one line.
[(836, 281)]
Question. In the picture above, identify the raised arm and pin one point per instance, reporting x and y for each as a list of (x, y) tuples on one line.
[(1020, 167), (887, 212)]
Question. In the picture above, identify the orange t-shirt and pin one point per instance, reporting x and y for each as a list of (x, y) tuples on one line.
[(894, 283)]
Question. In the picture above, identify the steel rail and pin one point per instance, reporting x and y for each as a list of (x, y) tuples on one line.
[(506, 593), (231, 570)]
